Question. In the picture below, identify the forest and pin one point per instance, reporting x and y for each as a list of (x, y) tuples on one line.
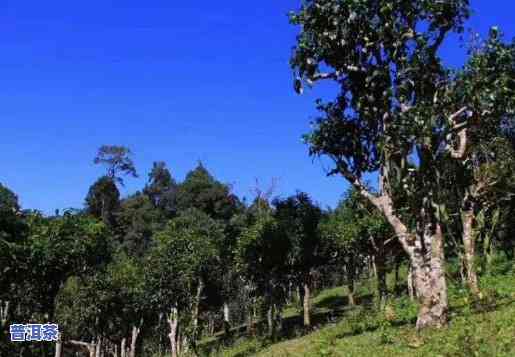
[(418, 254)]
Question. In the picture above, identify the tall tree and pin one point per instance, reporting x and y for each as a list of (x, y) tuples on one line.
[(383, 56), (117, 161)]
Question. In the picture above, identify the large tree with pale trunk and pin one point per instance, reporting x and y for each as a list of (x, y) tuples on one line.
[(397, 113)]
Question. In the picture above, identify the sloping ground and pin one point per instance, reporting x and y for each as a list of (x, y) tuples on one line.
[(484, 334), (477, 329)]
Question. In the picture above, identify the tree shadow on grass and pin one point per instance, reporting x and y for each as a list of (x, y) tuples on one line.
[(342, 302), (329, 310), (334, 309)]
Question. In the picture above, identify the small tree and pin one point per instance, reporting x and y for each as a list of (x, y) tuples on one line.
[(183, 258), (356, 233), (298, 218), (486, 87), (263, 260)]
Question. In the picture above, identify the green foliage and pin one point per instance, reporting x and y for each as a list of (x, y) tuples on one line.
[(353, 224), (13, 232), (262, 254), (58, 248), (298, 218), (184, 253), (11, 224), (201, 191), (194, 246), (162, 189), (137, 220), (381, 60), (103, 200)]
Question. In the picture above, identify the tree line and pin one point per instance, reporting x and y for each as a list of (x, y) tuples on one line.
[(170, 263)]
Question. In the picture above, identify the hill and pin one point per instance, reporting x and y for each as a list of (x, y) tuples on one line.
[(477, 328)]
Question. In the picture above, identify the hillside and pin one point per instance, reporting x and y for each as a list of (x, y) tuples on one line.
[(486, 328)]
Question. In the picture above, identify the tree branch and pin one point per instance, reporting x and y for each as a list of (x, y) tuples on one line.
[(88, 346), (355, 181), (439, 40), (455, 116), (461, 130), (322, 76)]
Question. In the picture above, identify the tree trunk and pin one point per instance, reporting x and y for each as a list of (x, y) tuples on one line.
[(134, 338), (397, 275), (90, 347), (123, 348), (98, 348), (59, 346), (270, 319), (430, 284), (173, 321), (92, 351), (463, 268), (195, 311), (306, 305), (382, 289), (211, 325), (227, 319), (351, 270), (4, 313), (469, 245), (411, 282), (249, 322), (278, 319), (425, 249), (374, 265), (184, 347)]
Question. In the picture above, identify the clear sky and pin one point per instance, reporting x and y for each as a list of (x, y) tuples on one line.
[(177, 81)]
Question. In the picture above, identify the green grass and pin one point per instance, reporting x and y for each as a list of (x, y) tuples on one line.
[(486, 328)]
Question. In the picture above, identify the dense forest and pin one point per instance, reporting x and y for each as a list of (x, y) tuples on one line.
[(189, 268)]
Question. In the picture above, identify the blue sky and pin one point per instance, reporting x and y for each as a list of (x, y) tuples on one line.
[(175, 81)]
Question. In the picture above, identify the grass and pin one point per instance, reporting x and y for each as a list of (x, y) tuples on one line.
[(485, 328)]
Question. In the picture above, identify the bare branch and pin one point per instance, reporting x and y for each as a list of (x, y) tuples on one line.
[(389, 240), (373, 242), (355, 181), (89, 346), (322, 76), (455, 116), (405, 107)]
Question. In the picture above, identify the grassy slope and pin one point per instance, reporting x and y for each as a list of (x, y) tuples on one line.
[(485, 329)]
